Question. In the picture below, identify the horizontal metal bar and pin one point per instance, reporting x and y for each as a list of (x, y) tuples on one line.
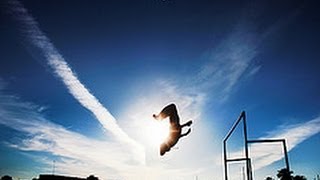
[(265, 140), (237, 159)]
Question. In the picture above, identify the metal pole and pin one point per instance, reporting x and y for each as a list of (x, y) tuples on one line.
[(286, 154), (246, 145), (234, 126), (225, 160), (285, 151)]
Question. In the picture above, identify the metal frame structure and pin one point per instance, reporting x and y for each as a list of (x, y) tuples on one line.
[(247, 159)]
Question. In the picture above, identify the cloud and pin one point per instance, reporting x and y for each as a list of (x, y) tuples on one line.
[(230, 61), (184, 160), (227, 64), (267, 153), (78, 155), (30, 28), (72, 150), (294, 135), (235, 58)]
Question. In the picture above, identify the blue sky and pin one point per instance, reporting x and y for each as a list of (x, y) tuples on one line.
[(79, 83)]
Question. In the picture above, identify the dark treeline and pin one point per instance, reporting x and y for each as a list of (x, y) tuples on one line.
[(285, 174)]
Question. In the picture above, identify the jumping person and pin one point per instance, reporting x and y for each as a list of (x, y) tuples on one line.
[(175, 127)]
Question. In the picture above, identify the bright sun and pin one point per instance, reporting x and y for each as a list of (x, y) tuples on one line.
[(157, 132)]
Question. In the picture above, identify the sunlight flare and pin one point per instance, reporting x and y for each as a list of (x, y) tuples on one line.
[(157, 132)]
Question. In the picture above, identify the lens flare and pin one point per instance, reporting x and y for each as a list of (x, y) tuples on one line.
[(157, 132)]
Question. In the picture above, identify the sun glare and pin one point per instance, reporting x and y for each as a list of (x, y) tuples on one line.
[(157, 132)]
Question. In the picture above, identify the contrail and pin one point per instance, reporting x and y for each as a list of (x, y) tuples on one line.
[(55, 60)]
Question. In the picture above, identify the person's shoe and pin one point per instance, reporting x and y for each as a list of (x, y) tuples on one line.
[(189, 123)]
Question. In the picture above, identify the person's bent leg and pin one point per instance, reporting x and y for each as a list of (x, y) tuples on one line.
[(185, 134), (187, 124)]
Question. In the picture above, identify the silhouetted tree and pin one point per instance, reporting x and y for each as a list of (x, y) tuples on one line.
[(284, 174), (92, 177), (6, 177), (299, 177)]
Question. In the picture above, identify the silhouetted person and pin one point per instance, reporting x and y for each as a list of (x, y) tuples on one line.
[(175, 127)]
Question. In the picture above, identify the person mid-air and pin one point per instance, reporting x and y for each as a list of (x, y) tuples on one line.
[(175, 127)]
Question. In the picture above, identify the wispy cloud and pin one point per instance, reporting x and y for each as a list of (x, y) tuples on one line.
[(230, 61), (234, 59), (267, 153), (72, 149), (78, 155), (294, 135), (227, 64), (33, 33), (184, 161)]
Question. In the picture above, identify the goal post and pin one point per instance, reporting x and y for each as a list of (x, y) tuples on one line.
[(246, 158), (241, 118)]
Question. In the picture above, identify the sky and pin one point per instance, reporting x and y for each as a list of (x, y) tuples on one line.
[(80, 80)]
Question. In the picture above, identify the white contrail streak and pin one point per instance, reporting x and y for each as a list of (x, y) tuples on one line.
[(61, 68)]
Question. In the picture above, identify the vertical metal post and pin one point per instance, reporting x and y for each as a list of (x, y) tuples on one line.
[(247, 159), (243, 114), (250, 169), (286, 154), (242, 117), (225, 144), (225, 160)]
